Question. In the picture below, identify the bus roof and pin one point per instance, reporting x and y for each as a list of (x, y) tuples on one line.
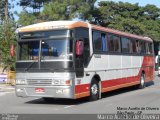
[(72, 24), (52, 25)]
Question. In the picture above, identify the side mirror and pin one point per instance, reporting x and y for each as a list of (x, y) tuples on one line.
[(79, 47)]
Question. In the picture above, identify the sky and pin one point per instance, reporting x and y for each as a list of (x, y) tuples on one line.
[(140, 2)]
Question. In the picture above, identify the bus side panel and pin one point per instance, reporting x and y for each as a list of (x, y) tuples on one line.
[(82, 90), (148, 66), (115, 71)]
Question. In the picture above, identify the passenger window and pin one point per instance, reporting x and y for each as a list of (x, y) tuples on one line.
[(99, 41), (149, 48), (125, 45), (114, 43), (138, 48), (142, 47), (104, 42), (134, 47)]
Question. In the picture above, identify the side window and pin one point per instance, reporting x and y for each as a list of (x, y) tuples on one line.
[(142, 47), (149, 48), (125, 45), (99, 41), (104, 42), (138, 48), (114, 43), (134, 47)]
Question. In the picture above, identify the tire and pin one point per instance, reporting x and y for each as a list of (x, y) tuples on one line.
[(142, 81), (94, 90)]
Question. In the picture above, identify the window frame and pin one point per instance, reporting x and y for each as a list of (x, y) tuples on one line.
[(130, 50), (120, 47), (106, 42)]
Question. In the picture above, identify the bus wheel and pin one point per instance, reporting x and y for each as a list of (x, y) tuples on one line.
[(142, 82), (94, 90)]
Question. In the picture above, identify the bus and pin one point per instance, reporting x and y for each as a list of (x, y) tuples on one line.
[(75, 59)]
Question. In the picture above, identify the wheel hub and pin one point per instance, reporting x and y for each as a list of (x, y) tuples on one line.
[(94, 89), (142, 81)]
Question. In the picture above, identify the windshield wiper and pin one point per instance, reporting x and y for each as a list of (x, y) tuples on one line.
[(26, 69)]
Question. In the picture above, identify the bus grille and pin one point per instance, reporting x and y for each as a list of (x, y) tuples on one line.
[(39, 82)]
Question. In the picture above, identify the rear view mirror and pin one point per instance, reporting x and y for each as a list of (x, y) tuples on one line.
[(79, 47)]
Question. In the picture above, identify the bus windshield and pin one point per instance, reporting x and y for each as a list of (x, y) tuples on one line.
[(56, 49), (50, 50)]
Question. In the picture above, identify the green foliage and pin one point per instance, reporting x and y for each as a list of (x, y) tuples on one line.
[(2, 4), (68, 9), (152, 28), (60, 10), (151, 12), (7, 38), (56, 11), (128, 25), (26, 18)]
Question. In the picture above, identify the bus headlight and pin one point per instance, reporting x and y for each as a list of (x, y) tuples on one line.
[(61, 82), (21, 82)]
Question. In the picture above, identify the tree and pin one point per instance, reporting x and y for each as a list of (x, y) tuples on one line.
[(6, 10), (152, 28), (26, 18), (2, 10), (36, 5), (151, 12), (59, 10), (7, 36), (68, 9)]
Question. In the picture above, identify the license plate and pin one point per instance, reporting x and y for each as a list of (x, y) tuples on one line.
[(39, 90)]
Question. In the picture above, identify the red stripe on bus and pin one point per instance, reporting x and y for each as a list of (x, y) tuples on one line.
[(120, 81), (82, 88)]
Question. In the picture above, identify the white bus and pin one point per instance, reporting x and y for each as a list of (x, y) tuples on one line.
[(70, 59)]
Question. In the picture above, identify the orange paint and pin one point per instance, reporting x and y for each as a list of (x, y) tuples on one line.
[(80, 95)]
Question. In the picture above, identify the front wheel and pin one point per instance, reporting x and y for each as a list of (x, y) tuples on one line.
[(94, 90), (142, 82)]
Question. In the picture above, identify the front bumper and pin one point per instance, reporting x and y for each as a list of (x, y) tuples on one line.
[(49, 91)]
